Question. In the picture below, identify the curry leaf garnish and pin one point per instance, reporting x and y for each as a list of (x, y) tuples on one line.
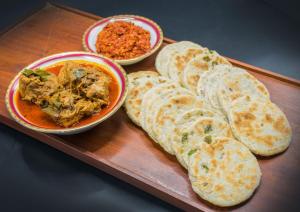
[(44, 103), (192, 151), (214, 63), (207, 139), (206, 58), (57, 104), (200, 113), (39, 72), (27, 72), (205, 184), (185, 137), (205, 167), (43, 78), (207, 129)]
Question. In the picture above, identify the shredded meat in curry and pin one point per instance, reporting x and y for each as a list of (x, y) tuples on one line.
[(78, 91)]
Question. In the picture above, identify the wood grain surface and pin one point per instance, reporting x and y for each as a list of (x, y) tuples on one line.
[(122, 149)]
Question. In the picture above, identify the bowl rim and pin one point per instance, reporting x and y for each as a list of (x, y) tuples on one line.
[(130, 60), (9, 95)]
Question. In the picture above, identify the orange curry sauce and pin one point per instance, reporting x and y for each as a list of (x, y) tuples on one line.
[(123, 40), (37, 117)]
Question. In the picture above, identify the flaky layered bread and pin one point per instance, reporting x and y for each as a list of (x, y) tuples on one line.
[(224, 172), (260, 125), (203, 129), (152, 100), (164, 57), (138, 84), (198, 65), (211, 116), (165, 115)]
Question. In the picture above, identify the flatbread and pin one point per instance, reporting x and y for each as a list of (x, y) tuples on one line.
[(225, 83), (138, 74), (207, 83), (260, 125), (183, 122), (165, 115), (224, 172), (202, 84), (139, 83), (211, 89), (163, 57), (149, 97), (153, 98), (202, 130), (239, 83), (179, 60), (198, 65), (214, 81)]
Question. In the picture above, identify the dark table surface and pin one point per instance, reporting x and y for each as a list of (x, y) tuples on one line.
[(35, 177)]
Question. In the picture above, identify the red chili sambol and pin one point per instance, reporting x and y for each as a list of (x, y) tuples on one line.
[(123, 40)]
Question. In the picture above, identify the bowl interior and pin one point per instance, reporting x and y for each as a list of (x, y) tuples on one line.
[(115, 70), (92, 33)]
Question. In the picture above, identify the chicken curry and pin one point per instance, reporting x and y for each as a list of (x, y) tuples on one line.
[(66, 95)]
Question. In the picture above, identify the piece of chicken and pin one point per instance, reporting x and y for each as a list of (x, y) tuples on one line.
[(35, 89)]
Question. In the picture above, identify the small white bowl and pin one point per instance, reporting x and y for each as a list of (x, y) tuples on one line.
[(156, 35), (116, 70)]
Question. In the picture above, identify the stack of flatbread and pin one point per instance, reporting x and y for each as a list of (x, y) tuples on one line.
[(211, 116)]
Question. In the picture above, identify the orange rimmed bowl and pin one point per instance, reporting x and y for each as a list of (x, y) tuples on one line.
[(113, 68), (156, 35)]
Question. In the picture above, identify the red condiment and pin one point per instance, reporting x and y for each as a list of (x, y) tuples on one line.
[(123, 40)]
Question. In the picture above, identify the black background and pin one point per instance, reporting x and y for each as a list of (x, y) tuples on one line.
[(35, 177)]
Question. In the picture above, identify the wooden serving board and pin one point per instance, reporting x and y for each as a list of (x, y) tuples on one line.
[(122, 149)]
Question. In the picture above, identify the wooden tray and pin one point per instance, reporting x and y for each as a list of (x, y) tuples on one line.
[(123, 150)]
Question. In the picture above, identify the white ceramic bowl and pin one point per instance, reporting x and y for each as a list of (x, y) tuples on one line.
[(116, 70), (156, 35)]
